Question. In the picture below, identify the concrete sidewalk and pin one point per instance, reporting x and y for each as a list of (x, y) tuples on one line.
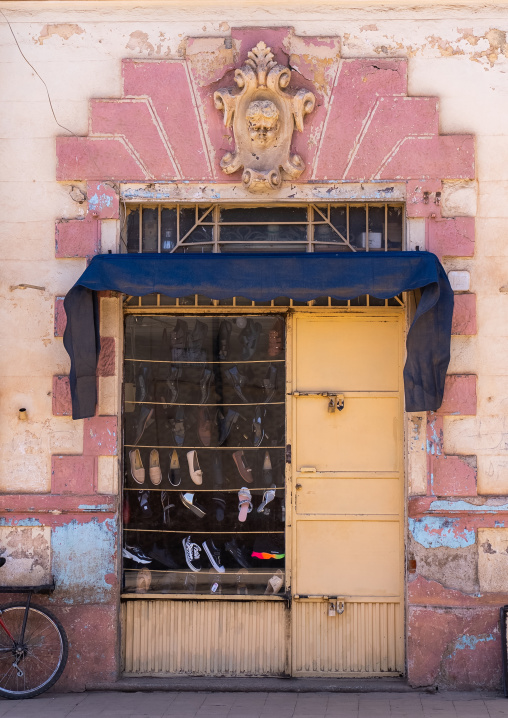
[(257, 705)]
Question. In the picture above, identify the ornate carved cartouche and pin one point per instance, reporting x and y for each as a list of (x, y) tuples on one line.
[(263, 115)]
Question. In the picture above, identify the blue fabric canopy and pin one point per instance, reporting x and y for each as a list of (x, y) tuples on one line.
[(262, 277)]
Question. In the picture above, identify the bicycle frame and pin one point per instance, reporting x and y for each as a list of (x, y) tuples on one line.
[(23, 627)]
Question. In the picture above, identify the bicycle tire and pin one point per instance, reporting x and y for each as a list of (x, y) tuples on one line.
[(37, 615)]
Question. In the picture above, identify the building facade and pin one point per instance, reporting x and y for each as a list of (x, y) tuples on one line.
[(248, 494)]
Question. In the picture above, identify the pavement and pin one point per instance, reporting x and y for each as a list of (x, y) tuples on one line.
[(158, 704)]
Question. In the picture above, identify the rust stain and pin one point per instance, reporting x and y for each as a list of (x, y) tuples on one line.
[(64, 30)]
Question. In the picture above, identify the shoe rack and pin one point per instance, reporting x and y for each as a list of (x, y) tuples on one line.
[(204, 431)]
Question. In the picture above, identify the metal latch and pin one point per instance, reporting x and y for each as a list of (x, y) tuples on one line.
[(335, 400), (336, 604)]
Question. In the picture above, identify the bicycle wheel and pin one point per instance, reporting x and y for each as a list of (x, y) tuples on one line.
[(30, 667)]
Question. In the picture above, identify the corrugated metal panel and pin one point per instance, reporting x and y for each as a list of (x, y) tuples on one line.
[(367, 638), (218, 638)]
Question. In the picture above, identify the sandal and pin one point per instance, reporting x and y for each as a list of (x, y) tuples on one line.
[(268, 496), (275, 583), (245, 503), (166, 507), (144, 502)]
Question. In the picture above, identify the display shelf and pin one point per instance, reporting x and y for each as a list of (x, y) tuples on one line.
[(206, 572), (192, 532), (185, 362), (177, 489), (204, 448), (223, 403)]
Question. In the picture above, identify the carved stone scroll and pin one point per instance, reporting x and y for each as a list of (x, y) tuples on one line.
[(263, 115)]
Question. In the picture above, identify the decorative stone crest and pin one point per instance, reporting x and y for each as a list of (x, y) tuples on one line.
[(263, 116)]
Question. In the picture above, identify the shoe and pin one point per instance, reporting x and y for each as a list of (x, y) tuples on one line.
[(144, 502), (146, 419), (241, 586), (143, 580), (192, 554), (268, 496), (237, 380), (205, 426), (178, 340), (135, 554), (175, 475), (220, 508), (154, 471), (187, 500), (237, 553), (241, 464), (213, 554), (178, 426), (275, 583), (249, 338), (195, 472), (270, 383), (162, 556), (258, 432), (195, 340), (223, 339), (217, 475), (137, 470), (276, 338), (175, 374), (267, 470), (142, 381), (226, 424), (244, 503), (166, 507), (204, 384)]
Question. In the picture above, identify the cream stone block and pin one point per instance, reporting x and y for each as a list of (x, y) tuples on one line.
[(34, 119), (492, 314), (492, 394), (492, 157), (108, 395), (110, 229), (493, 199), (492, 356), (32, 241), (459, 199), (491, 234), (66, 435), (463, 354), (111, 317), (416, 453), (492, 477), (493, 560), (416, 233), (37, 202), (107, 475), (489, 275), (486, 435), (27, 159), (27, 550)]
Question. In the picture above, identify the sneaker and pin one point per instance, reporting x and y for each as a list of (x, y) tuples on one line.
[(213, 554), (192, 554), (237, 553), (162, 556), (135, 554)]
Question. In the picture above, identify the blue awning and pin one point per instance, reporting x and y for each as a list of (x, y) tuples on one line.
[(262, 277)]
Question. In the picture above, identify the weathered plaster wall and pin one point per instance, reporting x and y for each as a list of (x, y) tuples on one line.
[(59, 477)]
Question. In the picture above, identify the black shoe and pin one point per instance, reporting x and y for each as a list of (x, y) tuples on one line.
[(226, 424), (178, 426), (257, 426), (237, 380), (142, 381), (174, 374), (188, 500), (204, 384), (223, 339), (220, 508), (144, 502), (192, 554), (175, 475), (237, 553), (162, 556), (270, 383), (218, 477), (249, 338), (195, 352), (135, 554), (146, 419), (213, 554)]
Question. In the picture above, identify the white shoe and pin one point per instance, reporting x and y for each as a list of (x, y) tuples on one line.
[(195, 472)]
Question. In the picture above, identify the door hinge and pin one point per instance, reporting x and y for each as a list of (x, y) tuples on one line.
[(288, 453)]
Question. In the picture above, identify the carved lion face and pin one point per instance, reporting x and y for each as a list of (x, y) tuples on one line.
[(263, 123)]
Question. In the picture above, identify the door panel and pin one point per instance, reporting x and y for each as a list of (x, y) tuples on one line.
[(347, 476)]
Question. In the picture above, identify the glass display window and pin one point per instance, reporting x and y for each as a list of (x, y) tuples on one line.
[(204, 455)]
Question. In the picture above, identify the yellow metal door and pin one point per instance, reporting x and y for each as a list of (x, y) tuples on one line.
[(347, 484)]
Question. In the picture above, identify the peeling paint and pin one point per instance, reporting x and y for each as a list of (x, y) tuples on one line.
[(434, 532), (469, 642), (19, 522), (443, 505), (64, 30)]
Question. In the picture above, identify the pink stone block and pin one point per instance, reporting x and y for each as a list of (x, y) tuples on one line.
[(134, 119), (430, 157), (421, 198), (73, 474), (60, 317), (459, 395), (76, 238), (106, 364), (359, 85), (464, 314), (96, 158), (451, 237), (100, 436), (168, 87), (62, 404), (454, 476), (103, 200)]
